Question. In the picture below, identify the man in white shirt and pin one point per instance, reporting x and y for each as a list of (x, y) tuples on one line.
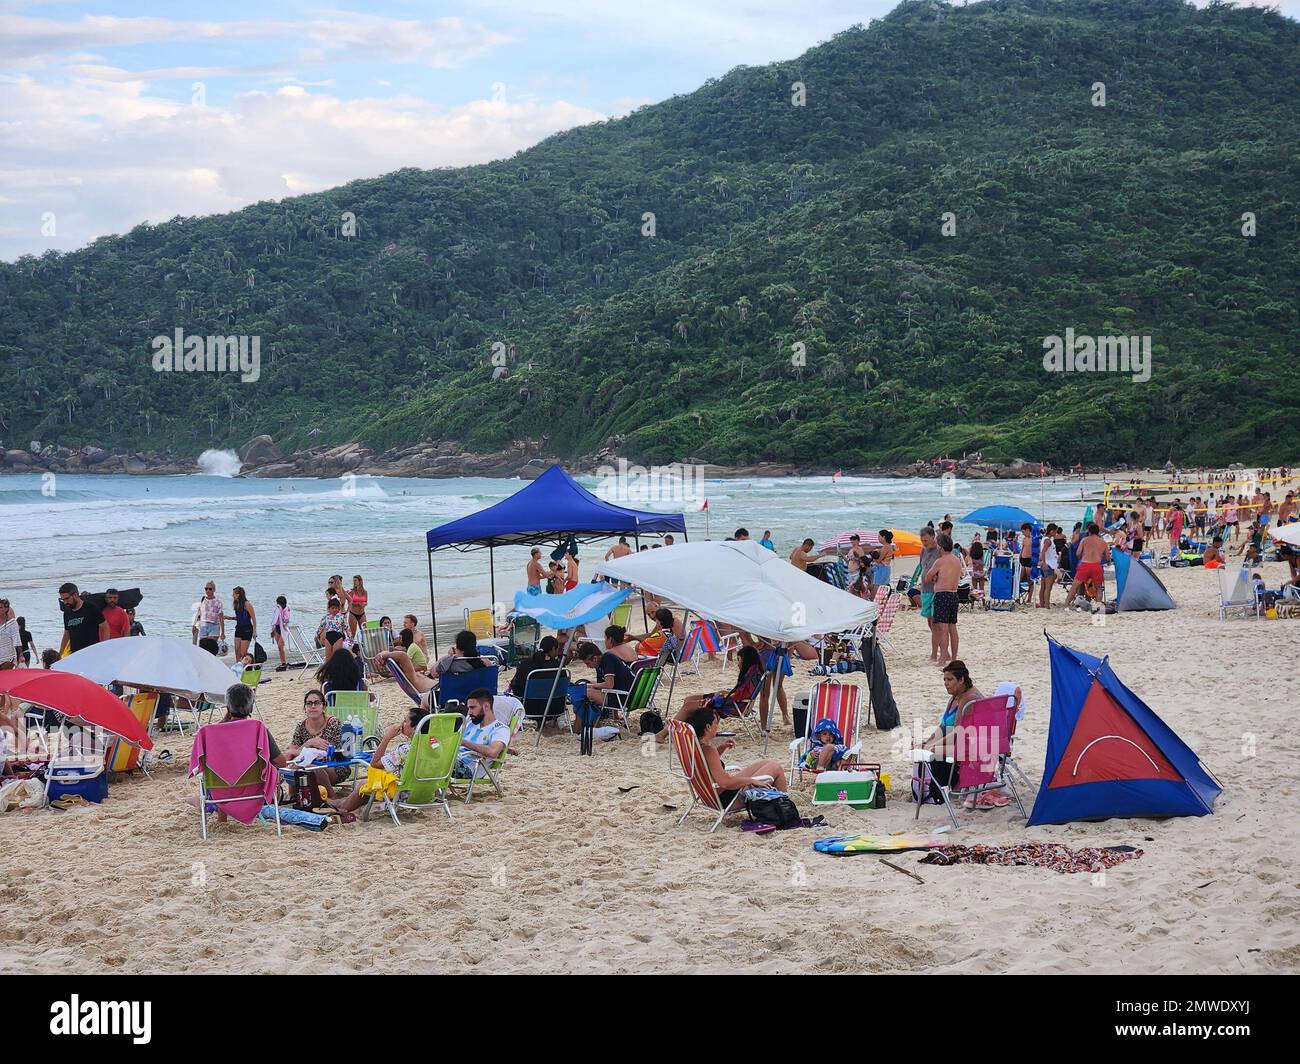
[(483, 738)]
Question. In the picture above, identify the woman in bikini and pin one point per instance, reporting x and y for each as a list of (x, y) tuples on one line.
[(356, 604)]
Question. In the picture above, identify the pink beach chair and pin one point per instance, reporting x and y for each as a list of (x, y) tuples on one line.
[(233, 762), (981, 752)]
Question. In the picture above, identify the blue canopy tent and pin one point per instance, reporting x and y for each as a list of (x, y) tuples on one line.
[(1001, 517), (551, 509), (1109, 755)]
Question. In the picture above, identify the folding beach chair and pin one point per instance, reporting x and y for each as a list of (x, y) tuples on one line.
[(364, 705), (374, 641), (703, 638), (1236, 594), (399, 677), (250, 783), (841, 703), (125, 756), (481, 623), (645, 683), (455, 688), (981, 753), (545, 697), (1004, 583), (622, 612), (425, 779), (886, 611), (312, 658), (525, 634), (490, 770), (704, 792)]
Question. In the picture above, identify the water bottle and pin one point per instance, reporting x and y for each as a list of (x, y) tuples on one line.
[(351, 736)]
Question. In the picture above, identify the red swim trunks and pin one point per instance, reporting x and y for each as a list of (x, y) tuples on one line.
[(1089, 571)]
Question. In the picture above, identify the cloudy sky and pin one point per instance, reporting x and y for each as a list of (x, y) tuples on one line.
[(122, 111)]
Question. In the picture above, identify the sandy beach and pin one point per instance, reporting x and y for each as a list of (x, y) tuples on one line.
[(567, 874)]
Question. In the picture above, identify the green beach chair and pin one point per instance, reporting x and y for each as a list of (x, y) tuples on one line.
[(492, 769), (425, 779), (621, 614), (641, 696), (361, 704)]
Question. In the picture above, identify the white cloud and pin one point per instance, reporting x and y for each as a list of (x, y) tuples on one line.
[(136, 157), (441, 42)]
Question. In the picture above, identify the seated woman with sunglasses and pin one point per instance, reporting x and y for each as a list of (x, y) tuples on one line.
[(318, 730)]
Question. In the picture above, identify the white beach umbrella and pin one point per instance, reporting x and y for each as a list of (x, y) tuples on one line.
[(160, 662), (1288, 534), (743, 584)]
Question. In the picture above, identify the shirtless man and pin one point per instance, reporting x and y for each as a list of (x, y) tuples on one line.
[(535, 573), (803, 554), (946, 575), (619, 549), (1089, 575)]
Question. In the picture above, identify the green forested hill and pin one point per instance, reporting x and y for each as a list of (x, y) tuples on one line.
[(775, 225)]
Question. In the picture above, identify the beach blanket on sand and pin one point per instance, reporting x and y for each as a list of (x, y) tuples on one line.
[(1039, 854), (847, 845)]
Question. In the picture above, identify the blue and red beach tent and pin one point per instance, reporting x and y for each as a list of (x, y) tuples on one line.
[(1109, 755)]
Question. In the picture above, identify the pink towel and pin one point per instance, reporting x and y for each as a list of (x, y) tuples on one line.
[(230, 749)]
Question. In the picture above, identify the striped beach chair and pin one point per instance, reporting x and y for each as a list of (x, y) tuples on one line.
[(124, 756), (704, 792), (703, 638), (837, 702), (886, 611)]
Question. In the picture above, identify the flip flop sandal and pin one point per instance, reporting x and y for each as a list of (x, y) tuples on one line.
[(756, 827), (627, 790)]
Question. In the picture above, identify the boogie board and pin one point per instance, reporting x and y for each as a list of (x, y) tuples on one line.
[(847, 845)]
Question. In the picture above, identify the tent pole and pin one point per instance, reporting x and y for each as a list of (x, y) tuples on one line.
[(677, 658), (433, 609), (645, 621), (492, 579)]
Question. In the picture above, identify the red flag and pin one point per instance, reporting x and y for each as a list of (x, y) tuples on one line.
[(837, 474), (703, 506)]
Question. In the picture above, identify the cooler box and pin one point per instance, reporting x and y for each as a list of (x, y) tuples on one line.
[(83, 776), (857, 789)]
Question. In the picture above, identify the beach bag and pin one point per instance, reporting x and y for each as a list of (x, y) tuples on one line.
[(924, 790), (781, 812), (259, 653), (651, 723)]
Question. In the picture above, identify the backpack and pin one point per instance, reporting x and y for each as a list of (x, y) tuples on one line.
[(651, 723), (781, 812), (259, 653)]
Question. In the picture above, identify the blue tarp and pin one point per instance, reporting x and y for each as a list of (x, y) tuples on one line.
[(1001, 517), (551, 506), (1073, 676), (584, 604)]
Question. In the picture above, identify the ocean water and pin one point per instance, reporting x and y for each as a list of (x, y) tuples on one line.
[(170, 535)]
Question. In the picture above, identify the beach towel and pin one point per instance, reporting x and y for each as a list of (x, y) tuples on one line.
[(229, 750), (1039, 854), (848, 845)]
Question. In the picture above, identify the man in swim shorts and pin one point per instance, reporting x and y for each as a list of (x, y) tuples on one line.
[(946, 574), (1089, 575)]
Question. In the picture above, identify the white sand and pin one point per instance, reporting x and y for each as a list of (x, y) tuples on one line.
[(566, 874)]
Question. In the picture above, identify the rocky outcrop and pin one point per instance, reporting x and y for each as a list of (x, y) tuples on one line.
[(523, 458), (260, 450)]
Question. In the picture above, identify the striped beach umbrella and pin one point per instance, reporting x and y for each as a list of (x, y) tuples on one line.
[(868, 538)]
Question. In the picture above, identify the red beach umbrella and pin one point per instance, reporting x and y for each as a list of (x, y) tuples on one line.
[(75, 697)]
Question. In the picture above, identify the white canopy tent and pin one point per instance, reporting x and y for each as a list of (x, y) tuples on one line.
[(745, 585), (158, 662)]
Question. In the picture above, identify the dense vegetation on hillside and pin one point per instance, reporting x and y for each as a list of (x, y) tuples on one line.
[(775, 225)]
